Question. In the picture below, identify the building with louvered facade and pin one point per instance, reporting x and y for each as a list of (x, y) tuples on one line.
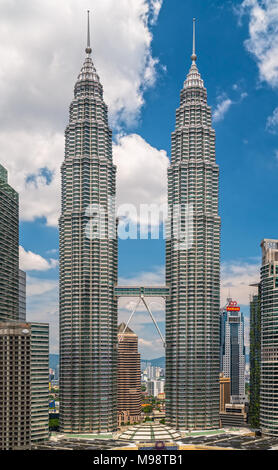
[(255, 357), (269, 338), (88, 265), (15, 386), (9, 255), (129, 374), (193, 265)]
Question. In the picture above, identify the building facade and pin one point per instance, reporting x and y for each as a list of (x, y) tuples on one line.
[(129, 374), (15, 386), (269, 338), (155, 387), (22, 296), (9, 239), (232, 349), (255, 358), (193, 265), (225, 392), (88, 264), (39, 381)]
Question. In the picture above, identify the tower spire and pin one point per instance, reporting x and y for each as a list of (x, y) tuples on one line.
[(88, 48), (194, 57)]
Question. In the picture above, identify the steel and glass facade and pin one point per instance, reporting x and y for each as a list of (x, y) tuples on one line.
[(232, 351), (39, 381), (255, 358), (129, 374), (9, 263), (192, 272), (269, 338), (15, 386), (88, 265), (22, 296)]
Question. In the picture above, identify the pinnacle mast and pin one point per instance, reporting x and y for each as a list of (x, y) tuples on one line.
[(194, 57), (88, 48)]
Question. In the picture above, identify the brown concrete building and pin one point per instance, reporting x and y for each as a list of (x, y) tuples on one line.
[(225, 392), (15, 386), (129, 375), (234, 415)]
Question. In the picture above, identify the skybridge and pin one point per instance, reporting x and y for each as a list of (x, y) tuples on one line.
[(131, 291), (142, 293)]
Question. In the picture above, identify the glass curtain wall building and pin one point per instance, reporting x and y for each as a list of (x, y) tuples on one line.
[(269, 338), (9, 239), (192, 272), (255, 358), (232, 350), (88, 264)]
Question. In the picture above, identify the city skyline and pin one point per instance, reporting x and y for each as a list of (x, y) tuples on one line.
[(38, 239)]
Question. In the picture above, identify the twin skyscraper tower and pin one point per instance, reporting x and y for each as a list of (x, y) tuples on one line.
[(89, 265)]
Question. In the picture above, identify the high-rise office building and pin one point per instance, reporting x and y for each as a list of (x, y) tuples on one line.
[(155, 387), (15, 386), (232, 350), (22, 296), (129, 373), (269, 338), (255, 358), (9, 264), (39, 381), (88, 264), (193, 265)]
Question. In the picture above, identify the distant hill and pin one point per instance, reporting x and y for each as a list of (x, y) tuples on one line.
[(159, 362), (53, 361)]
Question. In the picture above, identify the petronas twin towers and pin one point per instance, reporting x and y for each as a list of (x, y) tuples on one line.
[(88, 265)]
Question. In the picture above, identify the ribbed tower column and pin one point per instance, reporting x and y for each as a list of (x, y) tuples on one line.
[(88, 267), (192, 310)]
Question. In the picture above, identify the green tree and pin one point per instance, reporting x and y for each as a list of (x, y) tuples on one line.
[(54, 424)]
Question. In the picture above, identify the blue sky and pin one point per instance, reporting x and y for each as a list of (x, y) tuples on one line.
[(237, 44)]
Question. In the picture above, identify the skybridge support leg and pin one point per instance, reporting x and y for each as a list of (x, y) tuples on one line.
[(130, 318), (153, 319)]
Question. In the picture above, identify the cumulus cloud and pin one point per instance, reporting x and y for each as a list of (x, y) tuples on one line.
[(151, 349), (29, 261), (36, 286), (141, 172), (263, 36), (236, 278), (42, 306), (33, 161), (37, 75)]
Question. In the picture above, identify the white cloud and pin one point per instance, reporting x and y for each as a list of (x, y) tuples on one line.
[(224, 103), (29, 261), (39, 67), (272, 122), (155, 9), (38, 287), (151, 349), (222, 108), (33, 161), (263, 36), (141, 172), (42, 306), (236, 278)]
